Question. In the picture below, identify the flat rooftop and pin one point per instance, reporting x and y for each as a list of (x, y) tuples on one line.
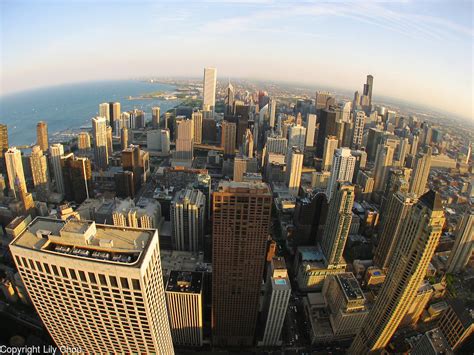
[(185, 282), (85, 240), (244, 187), (350, 286)]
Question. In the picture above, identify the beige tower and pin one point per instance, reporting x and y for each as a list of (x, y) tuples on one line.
[(155, 117), (124, 137), (42, 135), (421, 172), (56, 151), (197, 119), (229, 131), (330, 145), (209, 89), (39, 170), (101, 154), (185, 140), (419, 239), (383, 162), (463, 244), (98, 287), (83, 142), (294, 167), (14, 170)]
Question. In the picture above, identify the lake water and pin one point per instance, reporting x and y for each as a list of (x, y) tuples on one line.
[(72, 106)]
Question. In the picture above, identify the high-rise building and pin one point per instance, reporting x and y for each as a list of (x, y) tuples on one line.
[(89, 270), (209, 89), (423, 296), (421, 172), (342, 169), (26, 198), (247, 144), (330, 146), (241, 221), (393, 219), (383, 162), (463, 244), (294, 168), (358, 132), (272, 112), (276, 144), (414, 145), (456, 324), (83, 142), (420, 237), (42, 135), (229, 99), (155, 117), (77, 175), (240, 168), (56, 151), (146, 214), (184, 140), (110, 144), (327, 127), (368, 87), (228, 135), (15, 171), (296, 137), (184, 298), (114, 115), (310, 129), (3, 139), (39, 171), (322, 99), (432, 342), (124, 138), (104, 111), (188, 215), (403, 148), (277, 296), (197, 119), (101, 154), (338, 223)]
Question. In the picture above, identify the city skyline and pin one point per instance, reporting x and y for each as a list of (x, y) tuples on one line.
[(314, 37)]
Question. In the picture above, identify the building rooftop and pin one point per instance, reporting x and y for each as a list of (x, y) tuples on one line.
[(85, 240), (244, 187), (438, 342), (185, 282), (432, 200), (350, 286)]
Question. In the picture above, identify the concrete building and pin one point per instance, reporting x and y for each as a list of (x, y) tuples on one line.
[(89, 269), (457, 323), (42, 135), (197, 119), (297, 137), (146, 214), (15, 173), (358, 132), (3, 139), (184, 298), (463, 244), (56, 151), (293, 170), (39, 171), (101, 153), (185, 140), (432, 342), (342, 169), (330, 146), (423, 296), (155, 117), (383, 162), (77, 177), (83, 142), (228, 138), (421, 171), (209, 89), (310, 129)]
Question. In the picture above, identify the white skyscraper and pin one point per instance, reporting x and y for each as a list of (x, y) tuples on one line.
[(294, 168), (101, 154), (56, 151), (359, 122), (14, 169), (342, 169), (330, 146), (209, 89), (99, 287), (310, 129)]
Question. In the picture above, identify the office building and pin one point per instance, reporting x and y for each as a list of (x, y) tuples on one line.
[(276, 144), (88, 270), (197, 119), (229, 99), (420, 237), (101, 154), (83, 142), (114, 116), (432, 342), (323, 99), (77, 176), (184, 298), (145, 214), (131, 161), (14, 164), (310, 129), (188, 215), (209, 89), (39, 171), (155, 117), (56, 151), (277, 296), (327, 127), (3, 139), (296, 137), (457, 323), (42, 135), (421, 172), (241, 221), (272, 112), (463, 244), (383, 162), (104, 111), (330, 145), (338, 222), (185, 140), (342, 169), (247, 144), (294, 168), (358, 132), (423, 296), (124, 138), (228, 138), (368, 87)]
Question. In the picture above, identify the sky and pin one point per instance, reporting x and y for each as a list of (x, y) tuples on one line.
[(418, 51)]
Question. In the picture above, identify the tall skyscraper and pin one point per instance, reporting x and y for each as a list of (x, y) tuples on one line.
[(184, 140), (327, 127), (56, 151), (342, 169), (42, 135), (393, 219), (15, 171), (110, 144), (338, 223), (104, 111), (188, 215), (420, 238), (155, 117), (463, 244), (403, 149), (39, 171), (241, 221), (83, 142), (383, 162), (89, 270), (209, 89), (228, 137), (114, 115), (184, 298), (330, 146), (247, 144), (294, 168), (276, 144), (368, 87), (421, 172), (322, 98), (277, 296), (77, 175), (124, 138), (101, 154), (456, 324), (272, 112), (229, 99), (296, 137), (358, 133), (197, 119), (3, 139), (310, 129)]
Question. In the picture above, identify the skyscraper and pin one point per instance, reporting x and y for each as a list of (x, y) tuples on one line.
[(383, 162), (420, 237), (101, 154), (110, 145), (184, 293), (39, 171), (272, 112), (421, 172), (310, 129), (188, 215), (56, 151), (463, 244), (184, 140), (209, 89), (359, 122), (322, 98), (155, 117), (277, 296), (338, 223), (342, 169), (114, 115), (327, 127), (241, 220), (228, 136), (77, 175), (124, 138), (42, 136), (247, 144), (108, 281), (83, 142), (296, 137), (15, 170), (104, 111), (368, 87), (294, 168), (229, 99), (330, 145), (3, 139), (197, 119)]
